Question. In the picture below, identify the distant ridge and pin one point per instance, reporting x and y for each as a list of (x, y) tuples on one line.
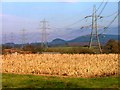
[(84, 40), (103, 38)]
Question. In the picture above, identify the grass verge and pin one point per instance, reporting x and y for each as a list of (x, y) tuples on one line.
[(32, 81)]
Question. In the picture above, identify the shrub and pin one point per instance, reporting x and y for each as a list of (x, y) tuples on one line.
[(33, 49), (112, 46)]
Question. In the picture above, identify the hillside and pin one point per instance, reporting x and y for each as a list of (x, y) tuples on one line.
[(58, 42), (84, 40)]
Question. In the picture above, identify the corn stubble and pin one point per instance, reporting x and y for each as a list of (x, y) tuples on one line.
[(75, 65)]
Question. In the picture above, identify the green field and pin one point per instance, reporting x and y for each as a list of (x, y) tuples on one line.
[(32, 81), (71, 50)]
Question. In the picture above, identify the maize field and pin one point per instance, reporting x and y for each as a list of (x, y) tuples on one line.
[(72, 65)]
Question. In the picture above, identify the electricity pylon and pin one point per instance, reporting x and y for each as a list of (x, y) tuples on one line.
[(44, 33), (12, 39), (23, 38), (5, 39), (94, 38)]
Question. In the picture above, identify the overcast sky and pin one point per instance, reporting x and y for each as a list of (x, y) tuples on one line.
[(61, 17)]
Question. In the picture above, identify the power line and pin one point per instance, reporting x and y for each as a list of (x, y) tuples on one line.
[(99, 6), (103, 7), (80, 13), (99, 13), (68, 26), (105, 28), (80, 20), (84, 18), (110, 15), (75, 22)]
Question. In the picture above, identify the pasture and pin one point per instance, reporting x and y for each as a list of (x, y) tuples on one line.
[(32, 81)]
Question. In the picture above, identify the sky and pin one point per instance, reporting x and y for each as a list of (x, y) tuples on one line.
[(64, 19)]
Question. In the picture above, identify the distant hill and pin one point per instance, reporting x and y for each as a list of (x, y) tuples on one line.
[(58, 42), (80, 39)]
